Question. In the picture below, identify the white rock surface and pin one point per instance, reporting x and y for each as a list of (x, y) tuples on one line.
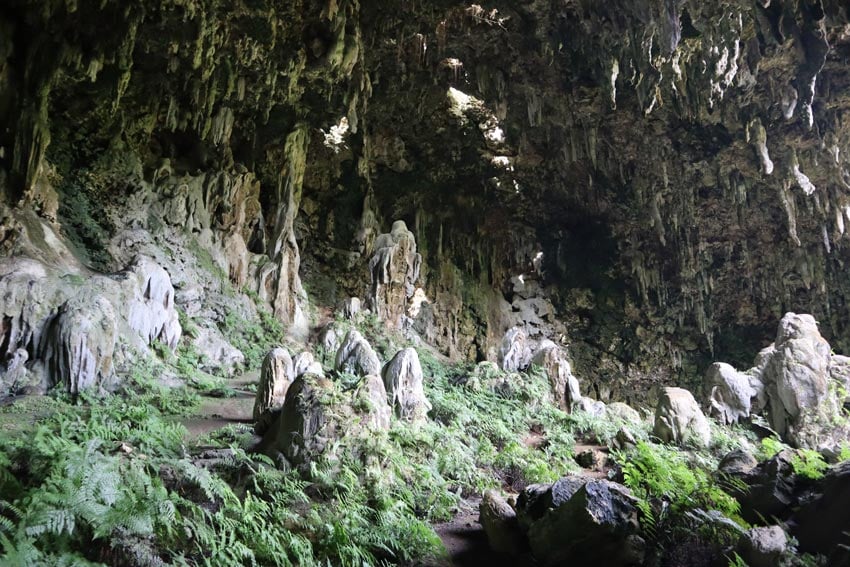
[(679, 419), (403, 381)]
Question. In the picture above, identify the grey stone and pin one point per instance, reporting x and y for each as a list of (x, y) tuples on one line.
[(403, 381), (355, 356), (515, 350), (679, 419), (500, 524), (276, 376), (763, 546), (565, 386), (731, 393)]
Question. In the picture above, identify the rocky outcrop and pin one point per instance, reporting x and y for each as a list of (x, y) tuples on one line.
[(500, 524), (582, 522), (515, 350), (304, 428), (305, 363), (732, 393), (276, 376), (150, 309), (565, 386), (80, 344), (763, 546), (394, 268), (356, 356), (371, 396), (679, 419), (403, 381), (795, 380)]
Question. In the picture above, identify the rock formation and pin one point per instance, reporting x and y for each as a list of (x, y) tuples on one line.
[(394, 268), (565, 387), (276, 376), (679, 419), (356, 356), (403, 379)]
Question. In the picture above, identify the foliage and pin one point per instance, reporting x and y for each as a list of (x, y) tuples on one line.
[(808, 464), (655, 472)]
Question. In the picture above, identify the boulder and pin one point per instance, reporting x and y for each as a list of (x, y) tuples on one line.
[(771, 491), (679, 420), (394, 269), (13, 375), (515, 351), (150, 302), (403, 381), (80, 344), (372, 403), (355, 356), (623, 412), (304, 428), (565, 387), (350, 308), (821, 523), (596, 524), (591, 406), (534, 501), (796, 381), (839, 371), (305, 363), (763, 546), (500, 524), (738, 463), (624, 439), (217, 353), (732, 393), (330, 339), (276, 376)]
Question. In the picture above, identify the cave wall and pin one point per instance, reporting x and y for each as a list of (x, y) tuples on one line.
[(652, 183)]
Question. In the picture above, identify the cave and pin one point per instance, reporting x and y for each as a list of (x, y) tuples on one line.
[(425, 283)]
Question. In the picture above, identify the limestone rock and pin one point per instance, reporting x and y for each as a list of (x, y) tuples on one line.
[(217, 352), (820, 525), (796, 380), (276, 376), (772, 489), (372, 396), (623, 412), (351, 307), (394, 268), (403, 381), (515, 350), (678, 419), (624, 439), (737, 463), (26, 304), (565, 387), (596, 524), (80, 344), (13, 375), (356, 356), (500, 524), (839, 370), (731, 393), (763, 546), (304, 428), (305, 363), (150, 308), (591, 406), (330, 339)]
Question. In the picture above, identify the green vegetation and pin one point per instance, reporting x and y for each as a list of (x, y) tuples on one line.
[(656, 473)]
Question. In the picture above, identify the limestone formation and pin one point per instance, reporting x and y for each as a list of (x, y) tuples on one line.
[(679, 419), (276, 376), (403, 381), (330, 339), (304, 363), (217, 353), (150, 308), (732, 393), (763, 546), (351, 307), (304, 429), (394, 268), (500, 524), (595, 521), (515, 350), (80, 344), (624, 413), (565, 387), (372, 395), (795, 380), (356, 356)]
